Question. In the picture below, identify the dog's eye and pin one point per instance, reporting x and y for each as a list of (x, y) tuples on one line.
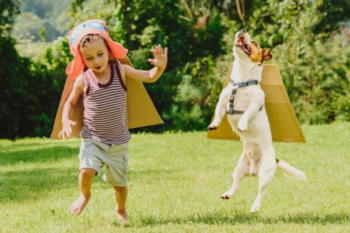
[(255, 43)]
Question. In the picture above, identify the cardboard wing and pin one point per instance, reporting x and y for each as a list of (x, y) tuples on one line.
[(141, 111), (283, 122)]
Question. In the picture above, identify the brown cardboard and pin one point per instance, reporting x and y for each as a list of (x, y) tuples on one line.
[(141, 111), (283, 122)]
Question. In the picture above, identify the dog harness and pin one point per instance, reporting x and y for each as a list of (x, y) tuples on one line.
[(231, 111)]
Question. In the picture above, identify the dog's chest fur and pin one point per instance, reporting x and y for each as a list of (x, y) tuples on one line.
[(243, 72)]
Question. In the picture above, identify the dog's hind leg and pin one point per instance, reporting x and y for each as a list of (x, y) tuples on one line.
[(239, 173), (266, 173)]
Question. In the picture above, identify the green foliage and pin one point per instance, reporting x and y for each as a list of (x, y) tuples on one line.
[(313, 68), (30, 90), (318, 91), (332, 14), (30, 94), (42, 33), (8, 9), (196, 96), (185, 113)]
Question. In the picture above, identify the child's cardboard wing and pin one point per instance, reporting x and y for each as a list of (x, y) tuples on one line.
[(283, 122), (141, 111)]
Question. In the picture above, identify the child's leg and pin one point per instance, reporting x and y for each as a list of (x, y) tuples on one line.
[(86, 177), (116, 175), (91, 157), (121, 194)]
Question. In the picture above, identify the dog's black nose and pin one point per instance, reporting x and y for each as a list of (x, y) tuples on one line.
[(243, 31)]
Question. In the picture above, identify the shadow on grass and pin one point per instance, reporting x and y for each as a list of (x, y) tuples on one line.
[(33, 154), (37, 184), (216, 219)]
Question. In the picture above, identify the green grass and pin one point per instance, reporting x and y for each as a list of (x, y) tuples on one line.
[(175, 183)]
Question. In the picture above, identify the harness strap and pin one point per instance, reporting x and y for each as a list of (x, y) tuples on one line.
[(231, 111), (243, 84)]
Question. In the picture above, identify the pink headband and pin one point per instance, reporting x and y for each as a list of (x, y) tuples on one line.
[(93, 26)]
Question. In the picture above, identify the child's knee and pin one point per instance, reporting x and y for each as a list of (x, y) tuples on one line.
[(119, 189), (88, 172)]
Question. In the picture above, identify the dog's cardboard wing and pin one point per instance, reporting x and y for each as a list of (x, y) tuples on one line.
[(141, 111), (283, 122)]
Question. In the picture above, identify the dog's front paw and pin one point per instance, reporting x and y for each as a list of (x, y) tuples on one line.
[(213, 126), (242, 126)]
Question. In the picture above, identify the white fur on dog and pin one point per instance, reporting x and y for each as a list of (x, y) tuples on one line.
[(258, 157)]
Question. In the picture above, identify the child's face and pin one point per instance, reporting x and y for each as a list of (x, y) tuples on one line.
[(95, 55)]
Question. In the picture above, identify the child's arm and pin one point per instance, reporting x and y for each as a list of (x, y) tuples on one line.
[(160, 60), (68, 109)]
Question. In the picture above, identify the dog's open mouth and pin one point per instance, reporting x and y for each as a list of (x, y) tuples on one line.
[(241, 42)]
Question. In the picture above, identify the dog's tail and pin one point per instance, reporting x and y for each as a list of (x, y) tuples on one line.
[(289, 171)]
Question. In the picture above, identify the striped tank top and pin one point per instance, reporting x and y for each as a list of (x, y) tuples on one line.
[(105, 115)]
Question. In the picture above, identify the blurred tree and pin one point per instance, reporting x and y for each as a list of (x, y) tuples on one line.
[(310, 61), (28, 25), (8, 10), (30, 91), (332, 14), (37, 14)]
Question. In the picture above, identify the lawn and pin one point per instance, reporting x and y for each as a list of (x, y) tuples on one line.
[(175, 183)]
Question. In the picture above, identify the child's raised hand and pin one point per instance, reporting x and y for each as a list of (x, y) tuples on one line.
[(67, 129), (160, 59)]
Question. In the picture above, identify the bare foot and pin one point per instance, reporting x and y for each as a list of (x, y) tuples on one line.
[(122, 216), (79, 205)]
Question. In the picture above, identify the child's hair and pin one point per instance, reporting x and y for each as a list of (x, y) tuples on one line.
[(89, 38)]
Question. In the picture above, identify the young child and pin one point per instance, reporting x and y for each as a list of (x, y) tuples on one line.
[(105, 133)]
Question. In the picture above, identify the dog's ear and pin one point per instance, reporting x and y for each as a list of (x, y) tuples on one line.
[(266, 54)]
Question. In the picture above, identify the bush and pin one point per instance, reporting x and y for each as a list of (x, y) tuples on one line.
[(31, 94)]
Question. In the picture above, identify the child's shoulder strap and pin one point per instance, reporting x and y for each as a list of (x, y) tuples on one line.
[(82, 83), (85, 84), (122, 71)]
